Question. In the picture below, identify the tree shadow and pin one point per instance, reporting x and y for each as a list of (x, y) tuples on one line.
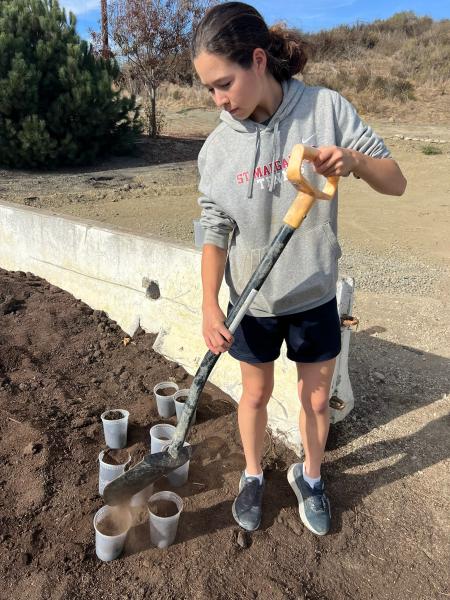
[(426, 447), (192, 525), (388, 381), (147, 152), (406, 379)]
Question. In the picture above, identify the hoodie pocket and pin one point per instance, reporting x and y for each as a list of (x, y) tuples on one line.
[(305, 273)]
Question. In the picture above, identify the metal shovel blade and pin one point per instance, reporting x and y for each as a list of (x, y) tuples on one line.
[(151, 468)]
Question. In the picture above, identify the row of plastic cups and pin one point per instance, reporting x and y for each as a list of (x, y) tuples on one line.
[(113, 523), (170, 400), (112, 463)]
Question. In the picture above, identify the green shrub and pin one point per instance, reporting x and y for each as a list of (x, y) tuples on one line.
[(58, 101), (430, 150)]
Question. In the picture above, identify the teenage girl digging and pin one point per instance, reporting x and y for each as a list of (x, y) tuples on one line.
[(248, 69)]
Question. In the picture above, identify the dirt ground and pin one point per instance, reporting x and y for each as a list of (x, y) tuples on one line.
[(386, 469), (63, 364)]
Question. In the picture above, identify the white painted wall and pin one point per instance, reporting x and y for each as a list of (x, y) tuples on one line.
[(106, 267)]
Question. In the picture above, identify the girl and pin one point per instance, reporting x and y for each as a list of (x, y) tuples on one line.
[(248, 69)]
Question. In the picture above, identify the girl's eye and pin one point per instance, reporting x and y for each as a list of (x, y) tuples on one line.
[(223, 86)]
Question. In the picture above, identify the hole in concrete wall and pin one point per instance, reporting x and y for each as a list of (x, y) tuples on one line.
[(151, 289)]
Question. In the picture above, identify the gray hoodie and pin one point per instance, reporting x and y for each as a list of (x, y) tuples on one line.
[(246, 193)]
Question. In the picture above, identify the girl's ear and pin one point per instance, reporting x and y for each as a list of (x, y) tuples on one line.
[(259, 60)]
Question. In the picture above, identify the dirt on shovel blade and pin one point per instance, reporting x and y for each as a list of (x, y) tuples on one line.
[(63, 364)]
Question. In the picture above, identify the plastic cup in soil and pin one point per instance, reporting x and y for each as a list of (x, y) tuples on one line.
[(160, 437), (141, 498), (111, 527), (180, 475), (180, 399), (115, 429), (108, 471), (164, 393), (164, 513)]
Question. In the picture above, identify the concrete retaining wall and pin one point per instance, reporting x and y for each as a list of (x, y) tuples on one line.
[(112, 269)]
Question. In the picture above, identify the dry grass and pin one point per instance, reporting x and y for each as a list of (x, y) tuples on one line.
[(393, 67), (172, 95)]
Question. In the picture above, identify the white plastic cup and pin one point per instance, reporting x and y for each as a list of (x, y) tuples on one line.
[(179, 404), (116, 431), (199, 233), (160, 437), (163, 530), (141, 498), (165, 404), (109, 547), (107, 472), (179, 476)]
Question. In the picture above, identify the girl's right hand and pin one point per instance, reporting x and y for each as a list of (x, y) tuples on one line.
[(216, 335)]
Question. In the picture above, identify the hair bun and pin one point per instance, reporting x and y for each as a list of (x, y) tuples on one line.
[(287, 51)]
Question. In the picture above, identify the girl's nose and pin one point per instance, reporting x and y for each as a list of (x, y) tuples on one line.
[(220, 99)]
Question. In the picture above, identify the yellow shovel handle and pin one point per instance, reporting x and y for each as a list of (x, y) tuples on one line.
[(308, 194)]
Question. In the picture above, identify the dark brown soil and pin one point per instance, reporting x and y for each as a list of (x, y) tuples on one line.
[(166, 391), (59, 371), (115, 457), (163, 508), (113, 415)]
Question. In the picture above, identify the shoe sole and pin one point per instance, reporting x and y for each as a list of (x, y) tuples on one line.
[(301, 507)]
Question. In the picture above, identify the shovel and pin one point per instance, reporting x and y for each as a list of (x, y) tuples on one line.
[(154, 466)]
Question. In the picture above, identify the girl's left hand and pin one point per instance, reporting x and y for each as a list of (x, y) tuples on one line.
[(334, 161)]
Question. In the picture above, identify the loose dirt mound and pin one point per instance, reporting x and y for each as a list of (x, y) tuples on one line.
[(62, 365)]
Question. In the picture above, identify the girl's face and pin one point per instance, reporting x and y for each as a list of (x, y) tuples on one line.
[(233, 88)]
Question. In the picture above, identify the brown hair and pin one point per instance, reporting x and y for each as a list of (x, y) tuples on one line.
[(235, 29)]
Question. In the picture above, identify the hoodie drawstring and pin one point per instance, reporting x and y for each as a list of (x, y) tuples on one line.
[(275, 150), (252, 168)]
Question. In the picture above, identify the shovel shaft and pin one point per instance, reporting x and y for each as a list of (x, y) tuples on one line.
[(293, 219), (235, 317)]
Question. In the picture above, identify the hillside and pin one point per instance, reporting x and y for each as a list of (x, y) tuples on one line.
[(397, 68)]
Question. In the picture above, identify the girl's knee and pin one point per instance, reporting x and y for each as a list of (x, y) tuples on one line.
[(316, 406), (256, 397)]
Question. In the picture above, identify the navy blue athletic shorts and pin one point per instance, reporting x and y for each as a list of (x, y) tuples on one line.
[(311, 336)]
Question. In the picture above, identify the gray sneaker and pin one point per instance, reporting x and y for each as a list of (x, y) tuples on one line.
[(313, 504), (247, 506)]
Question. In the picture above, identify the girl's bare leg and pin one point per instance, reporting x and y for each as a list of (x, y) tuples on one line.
[(257, 384), (314, 380)]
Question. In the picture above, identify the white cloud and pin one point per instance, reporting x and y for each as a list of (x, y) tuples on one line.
[(80, 7)]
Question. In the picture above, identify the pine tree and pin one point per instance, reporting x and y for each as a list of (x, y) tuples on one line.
[(59, 104)]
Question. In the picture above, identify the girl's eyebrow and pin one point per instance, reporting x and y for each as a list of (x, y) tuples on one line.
[(217, 81)]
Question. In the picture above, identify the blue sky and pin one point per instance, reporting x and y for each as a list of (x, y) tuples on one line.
[(308, 16)]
